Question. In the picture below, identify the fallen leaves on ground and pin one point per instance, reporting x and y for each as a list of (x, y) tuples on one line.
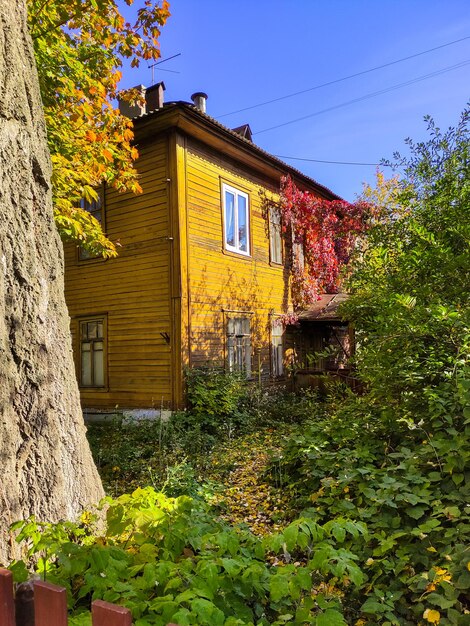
[(246, 495)]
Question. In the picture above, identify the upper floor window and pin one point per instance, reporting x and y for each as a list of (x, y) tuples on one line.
[(95, 208), (236, 220), (275, 238), (92, 362), (298, 254)]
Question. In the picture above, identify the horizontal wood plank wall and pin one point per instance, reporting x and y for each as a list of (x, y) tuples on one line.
[(219, 280), (132, 290)]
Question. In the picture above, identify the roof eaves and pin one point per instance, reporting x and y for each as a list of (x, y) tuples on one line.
[(207, 118)]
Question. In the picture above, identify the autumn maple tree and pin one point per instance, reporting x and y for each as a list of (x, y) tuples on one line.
[(79, 47), (321, 234)]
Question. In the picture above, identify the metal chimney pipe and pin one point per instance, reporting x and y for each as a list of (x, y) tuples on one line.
[(199, 99)]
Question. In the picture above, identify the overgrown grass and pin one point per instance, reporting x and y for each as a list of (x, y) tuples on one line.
[(177, 454)]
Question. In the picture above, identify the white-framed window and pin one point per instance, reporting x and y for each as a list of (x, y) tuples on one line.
[(277, 348), (92, 352), (236, 220), (275, 236), (239, 345)]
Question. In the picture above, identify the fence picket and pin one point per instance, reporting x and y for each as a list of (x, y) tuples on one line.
[(50, 605), (24, 604), (7, 604), (106, 614)]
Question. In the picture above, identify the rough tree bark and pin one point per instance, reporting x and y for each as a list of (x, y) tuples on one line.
[(46, 467)]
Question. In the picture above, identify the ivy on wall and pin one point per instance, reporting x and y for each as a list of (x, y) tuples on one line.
[(320, 236)]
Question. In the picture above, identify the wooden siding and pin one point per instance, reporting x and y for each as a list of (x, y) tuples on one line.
[(167, 298), (220, 282), (132, 291)]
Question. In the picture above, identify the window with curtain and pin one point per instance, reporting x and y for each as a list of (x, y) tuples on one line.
[(277, 348), (275, 238), (236, 220), (95, 208)]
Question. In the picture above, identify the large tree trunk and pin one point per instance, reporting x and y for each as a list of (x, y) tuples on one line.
[(46, 467)]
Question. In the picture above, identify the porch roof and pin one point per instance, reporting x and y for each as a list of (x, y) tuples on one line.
[(325, 309)]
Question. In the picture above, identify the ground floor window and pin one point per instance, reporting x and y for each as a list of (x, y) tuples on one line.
[(277, 348), (239, 345), (92, 352)]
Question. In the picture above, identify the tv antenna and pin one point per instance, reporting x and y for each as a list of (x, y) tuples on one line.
[(162, 69)]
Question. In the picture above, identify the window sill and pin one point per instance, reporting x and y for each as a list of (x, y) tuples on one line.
[(237, 255)]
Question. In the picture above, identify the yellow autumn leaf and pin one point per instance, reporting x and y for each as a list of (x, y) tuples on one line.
[(432, 616)]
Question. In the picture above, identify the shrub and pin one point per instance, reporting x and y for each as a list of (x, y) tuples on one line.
[(169, 560)]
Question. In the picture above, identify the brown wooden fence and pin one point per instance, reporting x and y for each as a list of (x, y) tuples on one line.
[(42, 604)]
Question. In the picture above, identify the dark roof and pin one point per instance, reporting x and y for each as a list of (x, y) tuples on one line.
[(244, 130), (233, 132), (325, 309)]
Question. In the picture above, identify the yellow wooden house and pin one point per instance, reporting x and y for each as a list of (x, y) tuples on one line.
[(200, 278)]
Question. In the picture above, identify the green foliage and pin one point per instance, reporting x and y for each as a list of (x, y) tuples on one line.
[(409, 488), (397, 458), (214, 392), (411, 301), (170, 560)]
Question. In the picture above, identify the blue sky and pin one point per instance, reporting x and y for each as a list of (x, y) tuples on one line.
[(243, 53)]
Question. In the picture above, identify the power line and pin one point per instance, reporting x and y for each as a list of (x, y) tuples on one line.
[(367, 96), (335, 162), (339, 80)]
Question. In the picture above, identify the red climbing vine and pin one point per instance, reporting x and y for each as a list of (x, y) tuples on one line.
[(323, 234)]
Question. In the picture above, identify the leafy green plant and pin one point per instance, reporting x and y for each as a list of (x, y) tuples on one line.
[(397, 457), (214, 392), (170, 560), (411, 492)]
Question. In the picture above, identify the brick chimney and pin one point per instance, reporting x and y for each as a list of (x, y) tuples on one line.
[(153, 100), (154, 96)]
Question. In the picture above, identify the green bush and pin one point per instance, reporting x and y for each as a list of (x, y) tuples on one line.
[(412, 491), (169, 560), (397, 458)]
